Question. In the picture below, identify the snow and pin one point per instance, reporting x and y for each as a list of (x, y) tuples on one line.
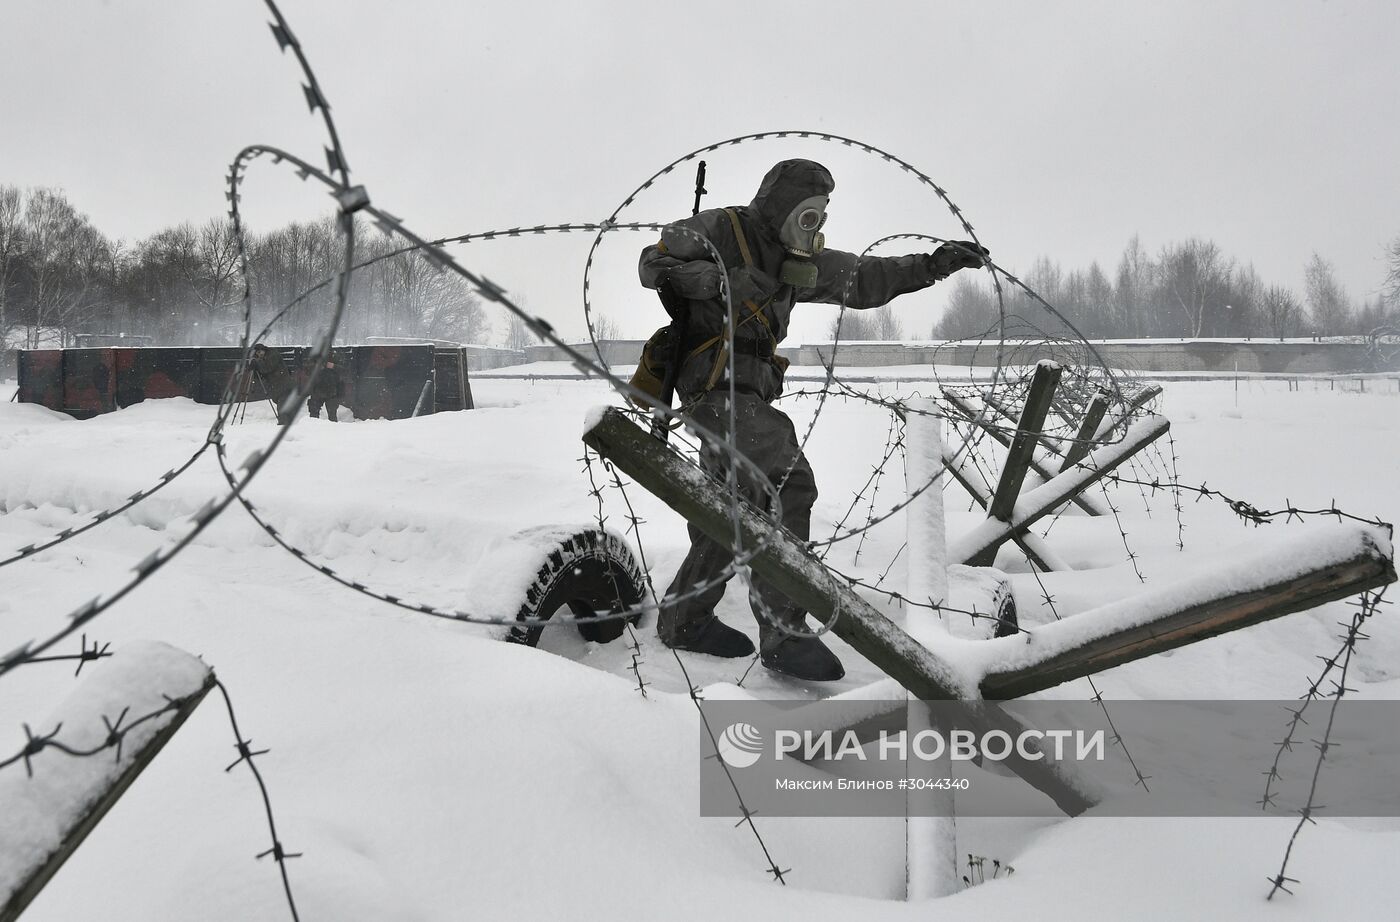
[(428, 771), (594, 416)]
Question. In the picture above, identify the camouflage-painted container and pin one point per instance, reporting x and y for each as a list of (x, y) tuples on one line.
[(344, 359), (342, 356), (89, 382), (377, 382), (217, 368), (387, 382), (41, 377), (155, 373), (452, 388)]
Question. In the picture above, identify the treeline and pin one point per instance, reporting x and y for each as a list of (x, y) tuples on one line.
[(61, 277), (1188, 289)]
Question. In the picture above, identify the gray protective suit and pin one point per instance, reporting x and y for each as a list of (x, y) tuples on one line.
[(764, 434)]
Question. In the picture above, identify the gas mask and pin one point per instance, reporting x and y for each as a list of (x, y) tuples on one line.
[(801, 236)]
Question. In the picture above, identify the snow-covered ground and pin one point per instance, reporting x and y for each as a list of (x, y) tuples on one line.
[(430, 772)]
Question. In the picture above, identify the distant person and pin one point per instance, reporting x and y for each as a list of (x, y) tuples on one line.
[(325, 392), (276, 380)]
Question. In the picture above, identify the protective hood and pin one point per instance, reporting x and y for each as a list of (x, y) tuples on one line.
[(786, 185)]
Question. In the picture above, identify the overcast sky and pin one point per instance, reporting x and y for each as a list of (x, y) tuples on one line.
[(1060, 128)]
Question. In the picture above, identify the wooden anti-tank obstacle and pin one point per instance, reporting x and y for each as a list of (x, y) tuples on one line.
[(1071, 649)]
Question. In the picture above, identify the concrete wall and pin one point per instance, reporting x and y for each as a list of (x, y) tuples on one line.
[(615, 352), (1217, 356), (483, 358), (1209, 356)]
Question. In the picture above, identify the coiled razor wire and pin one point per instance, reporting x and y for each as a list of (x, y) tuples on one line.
[(352, 199)]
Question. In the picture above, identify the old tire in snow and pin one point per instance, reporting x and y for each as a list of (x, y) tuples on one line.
[(589, 572), (987, 592)]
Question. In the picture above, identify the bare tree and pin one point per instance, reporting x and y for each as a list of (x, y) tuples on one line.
[(605, 327), (517, 331), (1194, 276), (880, 323), (1282, 312), (10, 241), (1096, 313), (1132, 309), (1328, 305), (852, 325), (217, 250), (886, 323), (451, 310), (971, 310), (1391, 287), (60, 246)]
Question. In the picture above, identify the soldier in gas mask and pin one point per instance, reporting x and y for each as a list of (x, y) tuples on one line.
[(774, 256)]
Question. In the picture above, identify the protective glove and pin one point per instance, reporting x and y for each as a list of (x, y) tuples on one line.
[(955, 255), (698, 280)]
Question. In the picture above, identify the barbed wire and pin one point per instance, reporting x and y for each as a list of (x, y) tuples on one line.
[(692, 690), (1247, 511), (354, 199), (1176, 494), (893, 439), (351, 200), (634, 644), (1097, 695), (1118, 523), (940, 607), (830, 366), (86, 655), (247, 755), (1366, 606), (118, 729)]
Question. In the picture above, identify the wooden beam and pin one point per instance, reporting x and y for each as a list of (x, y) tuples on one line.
[(1047, 497), (1339, 563), (1084, 438), (1034, 546), (1021, 452), (787, 565), (1042, 469), (84, 796), (1117, 420)]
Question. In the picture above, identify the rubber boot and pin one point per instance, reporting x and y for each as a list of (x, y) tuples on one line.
[(710, 636), (802, 657)]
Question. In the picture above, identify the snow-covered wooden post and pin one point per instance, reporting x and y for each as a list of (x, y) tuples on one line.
[(925, 529), (930, 828), (85, 755)]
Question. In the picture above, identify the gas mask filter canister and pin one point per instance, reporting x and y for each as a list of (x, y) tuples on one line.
[(801, 236)]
